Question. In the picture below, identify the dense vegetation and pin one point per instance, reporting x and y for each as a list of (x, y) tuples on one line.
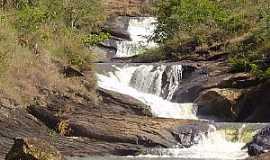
[(36, 35), (238, 28)]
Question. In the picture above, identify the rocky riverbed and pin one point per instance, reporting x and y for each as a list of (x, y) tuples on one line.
[(168, 109)]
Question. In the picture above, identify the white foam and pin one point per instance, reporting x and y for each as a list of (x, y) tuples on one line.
[(140, 29), (119, 82), (214, 146)]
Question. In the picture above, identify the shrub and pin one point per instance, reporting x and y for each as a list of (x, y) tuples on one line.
[(240, 65)]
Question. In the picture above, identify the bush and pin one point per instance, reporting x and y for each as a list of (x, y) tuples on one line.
[(240, 65), (183, 15)]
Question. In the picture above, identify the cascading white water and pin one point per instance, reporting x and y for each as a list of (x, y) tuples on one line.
[(160, 80), (140, 29), (155, 85), (212, 146), (119, 81)]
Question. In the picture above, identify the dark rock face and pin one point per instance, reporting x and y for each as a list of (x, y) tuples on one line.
[(220, 103), (117, 26), (260, 143), (33, 149), (254, 107), (190, 134)]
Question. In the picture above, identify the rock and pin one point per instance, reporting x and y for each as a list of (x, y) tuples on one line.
[(146, 132), (260, 143), (265, 156), (189, 135), (123, 103), (71, 71), (238, 80), (117, 121), (78, 127), (33, 149), (118, 26), (106, 50), (209, 75), (220, 103), (205, 76), (254, 106)]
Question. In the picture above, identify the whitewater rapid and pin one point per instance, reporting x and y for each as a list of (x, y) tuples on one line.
[(212, 147), (119, 81), (154, 85), (140, 30)]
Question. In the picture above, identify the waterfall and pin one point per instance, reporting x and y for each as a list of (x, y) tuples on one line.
[(140, 29), (122, 81), (211, 146), (161, 80), (155, 85)]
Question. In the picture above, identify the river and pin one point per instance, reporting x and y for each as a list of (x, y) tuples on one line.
[(144, 82)]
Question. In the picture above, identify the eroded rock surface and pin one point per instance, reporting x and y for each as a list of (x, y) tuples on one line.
[(260, 143), (70, 121), (254, 107), (221, 103), (33, 149)]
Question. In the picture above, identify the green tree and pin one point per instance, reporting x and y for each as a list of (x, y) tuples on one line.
[(183, 15), (83, 14)]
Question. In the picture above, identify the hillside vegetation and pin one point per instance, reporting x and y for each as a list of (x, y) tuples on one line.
[(204, 29), (38, 36)]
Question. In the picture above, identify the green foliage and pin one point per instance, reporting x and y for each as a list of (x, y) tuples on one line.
[(83, 14), (93, 39), (183, 15), (65, 28), (29, 19), (186, 25), (152, 55), (240, 65), (267, 73)]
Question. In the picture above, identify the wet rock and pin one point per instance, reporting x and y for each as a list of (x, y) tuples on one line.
[(260, 143), (33, 149), (118, 26), (254, 106), (220, 103), (190, 134)]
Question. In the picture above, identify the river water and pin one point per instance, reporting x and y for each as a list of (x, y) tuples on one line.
[(145, 83)]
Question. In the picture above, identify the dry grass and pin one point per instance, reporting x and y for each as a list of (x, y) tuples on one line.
[(24, 75)]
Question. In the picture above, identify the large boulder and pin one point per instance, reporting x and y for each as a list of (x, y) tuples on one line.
[(220, 103), (260, 142), (207, 76), (254, 106), (33, 149), (118, 26)]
